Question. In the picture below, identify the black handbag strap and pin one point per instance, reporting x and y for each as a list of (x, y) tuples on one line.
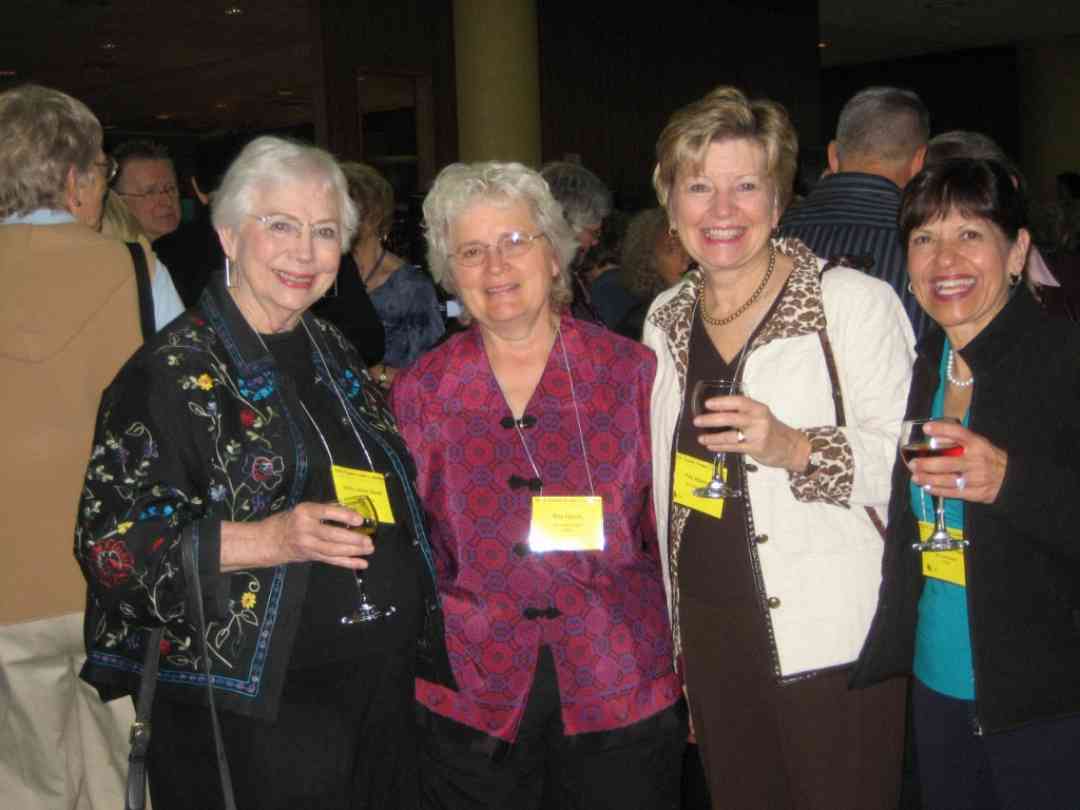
[(191, 571), (146, 297), (834, 376), (135, 795)]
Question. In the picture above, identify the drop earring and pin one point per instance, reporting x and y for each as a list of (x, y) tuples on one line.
[(228, 273)]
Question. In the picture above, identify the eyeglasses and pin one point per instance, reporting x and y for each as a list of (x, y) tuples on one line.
[(109, 167), (510, 246), (284, 228), (169, 190)]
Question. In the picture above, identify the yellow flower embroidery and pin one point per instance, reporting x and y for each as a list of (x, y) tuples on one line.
[(205, 382), (247, 601), (123, 527)]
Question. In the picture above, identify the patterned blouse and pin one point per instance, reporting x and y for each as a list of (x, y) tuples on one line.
[(602, 613), (201, 427)]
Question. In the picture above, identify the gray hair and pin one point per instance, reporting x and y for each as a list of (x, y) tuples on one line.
[(461, 185), (270, 161), (960, 143), (43, 134), (586, 201), (883, 123)]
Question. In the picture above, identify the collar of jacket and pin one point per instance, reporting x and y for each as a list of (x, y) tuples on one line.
[(800, 310), (240, 339)]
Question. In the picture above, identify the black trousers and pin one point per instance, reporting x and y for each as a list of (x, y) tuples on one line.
[(344, 739), (1032, 768), (462, 769)]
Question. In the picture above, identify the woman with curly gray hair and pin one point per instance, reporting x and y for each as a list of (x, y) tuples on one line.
[(530, 435)]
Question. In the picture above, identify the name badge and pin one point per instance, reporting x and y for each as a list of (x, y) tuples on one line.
[(351, 482), (693, 473), (947, 566), (567, 523)]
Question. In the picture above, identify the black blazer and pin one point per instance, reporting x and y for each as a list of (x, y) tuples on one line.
[(1023, 565)]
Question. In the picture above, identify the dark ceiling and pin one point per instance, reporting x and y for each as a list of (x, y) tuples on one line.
[(191, 65)]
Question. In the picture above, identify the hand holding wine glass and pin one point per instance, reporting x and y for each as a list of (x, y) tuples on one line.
[(916, 443), (705, 390), (976, 475)]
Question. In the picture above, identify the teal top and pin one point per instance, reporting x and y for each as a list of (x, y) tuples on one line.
[(943, 636)]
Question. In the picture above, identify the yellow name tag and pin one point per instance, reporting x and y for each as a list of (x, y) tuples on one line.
[(690, 474), (349, 482), (567, 523), (944, 565)]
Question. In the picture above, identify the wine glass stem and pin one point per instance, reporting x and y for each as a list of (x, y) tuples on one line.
[(939, 519), (718, 466)]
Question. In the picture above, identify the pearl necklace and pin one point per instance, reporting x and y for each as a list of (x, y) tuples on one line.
[(949, 369), (705, 316)]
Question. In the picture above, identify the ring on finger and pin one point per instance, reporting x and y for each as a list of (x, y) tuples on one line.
[(740, 437), (961, 482)]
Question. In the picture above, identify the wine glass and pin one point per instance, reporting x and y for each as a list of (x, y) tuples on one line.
[(703, 390), (914, 443), (364, 611)]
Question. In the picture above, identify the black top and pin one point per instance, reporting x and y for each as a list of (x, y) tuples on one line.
[(395, 567), (192, 253), (348, 306), (1023, 565)]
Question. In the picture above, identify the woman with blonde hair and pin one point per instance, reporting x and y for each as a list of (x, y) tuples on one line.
[(118, 222), (768, 486)]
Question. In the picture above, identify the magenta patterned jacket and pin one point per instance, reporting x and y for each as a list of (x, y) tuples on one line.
[(602, 613)]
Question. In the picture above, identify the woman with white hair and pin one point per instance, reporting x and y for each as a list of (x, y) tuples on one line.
[(221, 450), (531, 439)]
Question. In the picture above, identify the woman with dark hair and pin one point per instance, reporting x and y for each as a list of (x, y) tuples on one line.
[(990, 630)]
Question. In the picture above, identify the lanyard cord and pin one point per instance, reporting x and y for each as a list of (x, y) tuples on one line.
[(577, 414), (577, 418), (337, 391)]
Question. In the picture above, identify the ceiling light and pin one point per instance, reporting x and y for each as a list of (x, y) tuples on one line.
[(7, 73), (163, 116), (233, 11), (823, 44), (108, 45)]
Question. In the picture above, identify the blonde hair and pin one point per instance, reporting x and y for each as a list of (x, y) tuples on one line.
[(117, 221), (374, 198), (727, 114)]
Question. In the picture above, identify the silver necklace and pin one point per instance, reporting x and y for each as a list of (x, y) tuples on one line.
[(949, 373)]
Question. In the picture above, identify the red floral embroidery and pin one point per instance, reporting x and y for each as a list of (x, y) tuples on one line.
[(165, 646), (112, 560), (247, 417)]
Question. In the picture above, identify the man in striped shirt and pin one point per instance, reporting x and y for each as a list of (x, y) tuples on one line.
[(880, 145)]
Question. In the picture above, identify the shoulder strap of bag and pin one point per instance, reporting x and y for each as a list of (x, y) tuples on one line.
[(142, 281), (837, 394), (135, 795)]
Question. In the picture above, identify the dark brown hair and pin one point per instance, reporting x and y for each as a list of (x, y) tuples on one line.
[(981, 189)]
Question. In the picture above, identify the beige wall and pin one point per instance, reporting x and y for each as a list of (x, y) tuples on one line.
[(498, 82), (1050, 111)]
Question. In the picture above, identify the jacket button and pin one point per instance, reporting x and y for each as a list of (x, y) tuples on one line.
[(773, 603), (520, 550), (761, 538)]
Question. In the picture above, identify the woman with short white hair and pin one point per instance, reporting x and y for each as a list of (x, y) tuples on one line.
[(235, 433), (530, 434)]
